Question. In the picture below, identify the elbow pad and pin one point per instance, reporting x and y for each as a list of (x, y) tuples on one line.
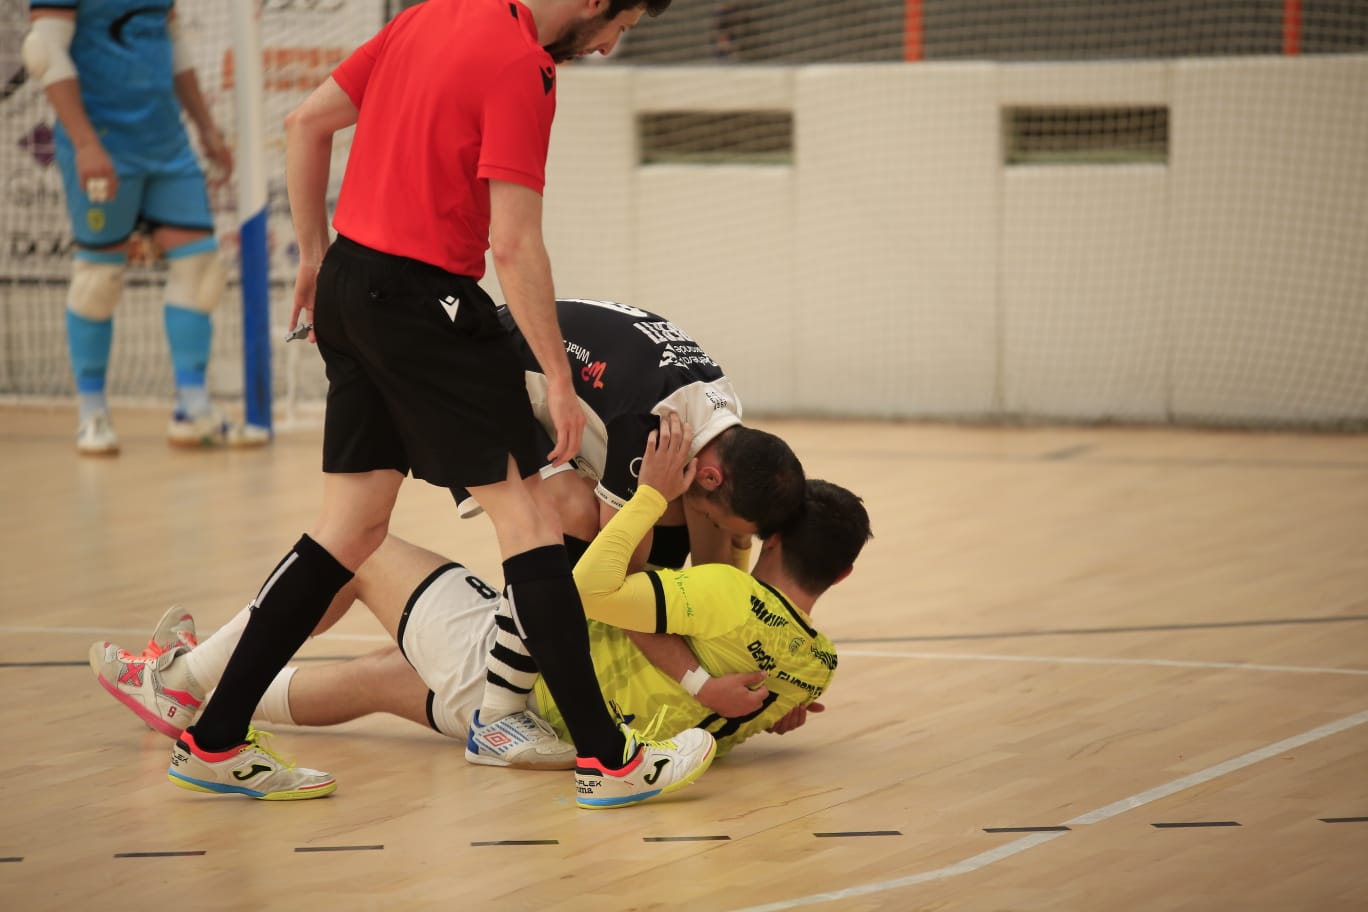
[(46, 49), (181, 59)]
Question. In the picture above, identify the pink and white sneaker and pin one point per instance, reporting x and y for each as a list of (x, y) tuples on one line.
[(158, 689)]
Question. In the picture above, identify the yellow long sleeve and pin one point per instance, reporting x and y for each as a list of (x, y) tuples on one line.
[(608, 593)]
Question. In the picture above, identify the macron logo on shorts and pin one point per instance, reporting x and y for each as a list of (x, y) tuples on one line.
[(449, 304)]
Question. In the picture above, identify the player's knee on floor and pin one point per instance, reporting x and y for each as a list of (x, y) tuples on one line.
[(195, 278), (96, 286)]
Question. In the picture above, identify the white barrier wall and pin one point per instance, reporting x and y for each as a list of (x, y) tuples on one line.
[(899, 269), (1289, 225)]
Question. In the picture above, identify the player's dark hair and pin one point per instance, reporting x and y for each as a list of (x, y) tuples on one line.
[(653, 7), (762, 480), (822, 541)]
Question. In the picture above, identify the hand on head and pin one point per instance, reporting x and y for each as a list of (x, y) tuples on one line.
[(666, 465)]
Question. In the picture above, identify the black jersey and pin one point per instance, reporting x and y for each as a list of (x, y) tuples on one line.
[(630, 366)]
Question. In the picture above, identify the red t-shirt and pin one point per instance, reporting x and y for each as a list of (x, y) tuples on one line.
[(451, 94)]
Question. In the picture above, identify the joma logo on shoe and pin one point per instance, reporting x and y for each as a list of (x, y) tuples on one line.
[(651, 777), (256, 770)]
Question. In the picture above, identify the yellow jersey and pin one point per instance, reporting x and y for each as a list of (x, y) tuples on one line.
[(732, 621)]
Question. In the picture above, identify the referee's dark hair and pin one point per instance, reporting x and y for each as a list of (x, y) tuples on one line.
[(822, 541), (653, 7), (762, 480)]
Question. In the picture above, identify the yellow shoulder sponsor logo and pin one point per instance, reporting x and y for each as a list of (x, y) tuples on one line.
[(95, 219)]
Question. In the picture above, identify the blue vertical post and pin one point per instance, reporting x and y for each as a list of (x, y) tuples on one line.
[(256, 321), (252, 209)]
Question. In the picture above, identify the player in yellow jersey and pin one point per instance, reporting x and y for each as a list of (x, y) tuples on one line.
[(441, 615)]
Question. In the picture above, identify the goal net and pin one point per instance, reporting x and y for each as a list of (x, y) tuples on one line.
[(302, 40), (1078, 210)]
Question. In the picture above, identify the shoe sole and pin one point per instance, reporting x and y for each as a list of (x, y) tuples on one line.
[(153, 721), (593, 804), (210, 443), (482, 760), (219, 788)]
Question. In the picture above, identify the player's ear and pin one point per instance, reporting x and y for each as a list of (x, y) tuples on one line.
[(709, 477)]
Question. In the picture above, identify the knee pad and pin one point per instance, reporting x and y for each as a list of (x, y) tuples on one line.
[(196, 281), (95, 289)]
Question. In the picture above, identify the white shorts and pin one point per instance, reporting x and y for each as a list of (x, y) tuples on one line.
[(446, 632)]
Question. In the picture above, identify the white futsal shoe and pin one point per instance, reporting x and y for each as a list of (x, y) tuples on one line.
[(522, 740), (650, 768), (213, 430), (158, 689), (176, 628), (95, 436), (253, 768)]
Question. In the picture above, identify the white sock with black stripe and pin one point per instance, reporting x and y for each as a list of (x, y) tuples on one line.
[(511, 671)]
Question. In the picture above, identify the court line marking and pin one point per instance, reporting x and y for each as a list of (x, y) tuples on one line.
[(864, 653), (1017, 846), (1107, 631), (1084, 660)]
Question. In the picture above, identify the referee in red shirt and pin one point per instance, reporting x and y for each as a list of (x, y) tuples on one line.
[(453, 102)]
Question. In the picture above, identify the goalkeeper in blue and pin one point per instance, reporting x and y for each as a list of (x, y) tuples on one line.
[(752, 628), (118, 78)]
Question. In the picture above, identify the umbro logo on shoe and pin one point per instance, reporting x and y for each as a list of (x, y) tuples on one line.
[(450, 304)]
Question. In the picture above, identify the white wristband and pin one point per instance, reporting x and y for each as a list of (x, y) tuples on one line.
[(694, 679)]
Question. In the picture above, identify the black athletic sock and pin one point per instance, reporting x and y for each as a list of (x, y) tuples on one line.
[(551, 616), (286, 610), (575, 548)]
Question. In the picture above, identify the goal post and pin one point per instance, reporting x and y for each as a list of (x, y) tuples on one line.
[(255, 264)]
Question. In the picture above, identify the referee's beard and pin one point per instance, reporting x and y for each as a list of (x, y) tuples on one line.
[(574, 41)]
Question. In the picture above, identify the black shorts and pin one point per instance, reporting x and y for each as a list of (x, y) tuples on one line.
[(422, 377)]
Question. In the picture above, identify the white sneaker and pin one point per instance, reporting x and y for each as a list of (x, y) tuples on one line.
[(271, 776), (213, 430), (95, 436), (523, 740), (651, 768), (158, 689), (176, 628)]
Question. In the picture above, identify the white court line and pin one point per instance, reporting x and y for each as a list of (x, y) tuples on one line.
[(1083, 660), (1017, 846)]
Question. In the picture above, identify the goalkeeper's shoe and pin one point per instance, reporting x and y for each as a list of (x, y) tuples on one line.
[(213, 430), (251, 768), (650, 768), (158, 689), (95, 436)]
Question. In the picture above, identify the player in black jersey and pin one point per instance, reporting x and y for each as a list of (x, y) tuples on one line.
[(631, 367)]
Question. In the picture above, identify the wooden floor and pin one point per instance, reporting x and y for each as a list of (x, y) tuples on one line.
[(1080, 669)]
